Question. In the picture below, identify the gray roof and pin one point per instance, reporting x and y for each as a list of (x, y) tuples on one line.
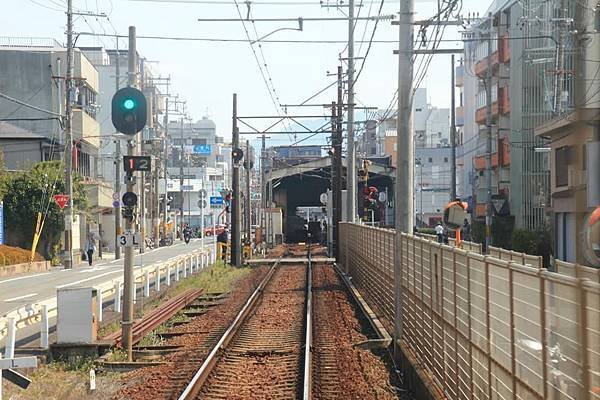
[(9, 131)]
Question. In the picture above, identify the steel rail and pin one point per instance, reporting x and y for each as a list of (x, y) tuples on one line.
[(193, 388), (307, 384)]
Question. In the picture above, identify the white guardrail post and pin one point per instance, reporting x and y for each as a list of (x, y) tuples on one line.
[(44, 327), (157, 283), (168, 275), (177, 271), (118, 296), (147, 284), (99, 304), (185, 262), (9, 350)]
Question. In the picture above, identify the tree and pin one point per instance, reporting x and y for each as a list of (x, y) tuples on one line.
[(30, 192)]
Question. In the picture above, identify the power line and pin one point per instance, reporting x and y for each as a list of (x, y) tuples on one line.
[(22, 103)]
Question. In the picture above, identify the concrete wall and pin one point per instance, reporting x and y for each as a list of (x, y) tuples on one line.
[(21, 154), (27, 76)]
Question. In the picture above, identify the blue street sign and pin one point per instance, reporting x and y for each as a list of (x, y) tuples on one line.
[(1, 222), (202, 149), (116, 203), (216, 200)]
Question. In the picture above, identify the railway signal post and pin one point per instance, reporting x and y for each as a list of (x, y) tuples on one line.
[(129, 117)]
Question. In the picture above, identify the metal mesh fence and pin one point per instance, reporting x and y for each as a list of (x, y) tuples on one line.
[(480, 326)]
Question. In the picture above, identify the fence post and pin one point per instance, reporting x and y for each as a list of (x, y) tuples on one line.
[(157, 283), (118, 296), (185, 263), (511, 311), (469, 326), (44, 327), (9, 349), (147, 284), (134, 292), (543, 337), (177, 270), (583, 339), (168, 281), (99, 301), (488, 333)]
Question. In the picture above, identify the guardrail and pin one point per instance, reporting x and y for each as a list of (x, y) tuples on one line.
[(41, 311), (481, 327)]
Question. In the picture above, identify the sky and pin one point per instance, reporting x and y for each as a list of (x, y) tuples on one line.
[(206, 74)]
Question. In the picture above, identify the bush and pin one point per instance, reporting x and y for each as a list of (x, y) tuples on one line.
[(14, 255), (524, 241)]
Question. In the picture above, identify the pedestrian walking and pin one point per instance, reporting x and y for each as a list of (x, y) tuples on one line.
[(90, 247), (439, 231)]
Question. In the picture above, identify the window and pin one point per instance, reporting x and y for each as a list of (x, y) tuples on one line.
[(445, 159), (395, 146), (199, 142), (430, 159), (562, 166), (418, 109)]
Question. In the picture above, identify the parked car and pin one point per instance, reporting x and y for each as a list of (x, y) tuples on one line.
[(214, 230)]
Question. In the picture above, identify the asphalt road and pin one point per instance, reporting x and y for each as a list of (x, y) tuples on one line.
[(18, 291)]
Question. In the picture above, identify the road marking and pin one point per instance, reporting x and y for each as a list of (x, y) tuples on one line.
[(20, 297), (24, 277), (85, 280)]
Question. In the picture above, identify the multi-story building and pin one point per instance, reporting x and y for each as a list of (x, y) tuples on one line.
[(519, 91), (565, 49), (431, 184), (197, 150), (285, 156), (33, 72)]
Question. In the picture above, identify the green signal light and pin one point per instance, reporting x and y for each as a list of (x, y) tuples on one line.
[(129, 104)]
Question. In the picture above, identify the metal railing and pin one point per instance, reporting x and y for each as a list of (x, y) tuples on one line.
[(13, 41), (479, 326)]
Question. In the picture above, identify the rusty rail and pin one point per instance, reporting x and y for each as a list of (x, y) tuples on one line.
[(160, 314)]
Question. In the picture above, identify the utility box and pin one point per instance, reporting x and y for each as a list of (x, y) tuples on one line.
[(77, 321)]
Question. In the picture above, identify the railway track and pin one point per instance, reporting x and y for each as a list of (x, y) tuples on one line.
[(265, 353), (295, 334)]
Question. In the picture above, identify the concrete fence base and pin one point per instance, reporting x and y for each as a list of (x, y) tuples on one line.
[(38, 266)]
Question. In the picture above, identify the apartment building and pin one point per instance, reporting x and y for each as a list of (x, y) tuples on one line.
[(33, 71)]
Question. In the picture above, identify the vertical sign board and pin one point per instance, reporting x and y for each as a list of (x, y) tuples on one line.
[(1, 222)]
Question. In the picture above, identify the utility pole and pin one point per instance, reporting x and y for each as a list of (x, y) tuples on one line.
[(118, 229), (166, 164), (128, 281), (405, 137), (181, 158), (452, 131), (263, 190), (337, 128), (236, 221), (248, 198), (488, 143), (351, 167), (404, 202), (68, 261)]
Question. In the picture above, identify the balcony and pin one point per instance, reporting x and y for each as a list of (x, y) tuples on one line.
[(460, 116), (459, 75), (479, 161), (504, 99), (85, 127), (504, 155), (480, 114), (504, 49), (481, 66), (480, 209)]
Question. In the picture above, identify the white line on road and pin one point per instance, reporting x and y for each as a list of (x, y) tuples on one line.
[(24, 277), (20, 297), (85, 280)]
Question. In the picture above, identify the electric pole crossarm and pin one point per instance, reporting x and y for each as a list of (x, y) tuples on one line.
[(372, 18)]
